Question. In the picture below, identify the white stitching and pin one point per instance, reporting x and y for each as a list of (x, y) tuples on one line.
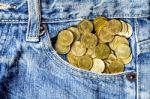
[(60, 19)]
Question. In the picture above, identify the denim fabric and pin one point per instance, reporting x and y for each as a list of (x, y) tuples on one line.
[(30, 68)]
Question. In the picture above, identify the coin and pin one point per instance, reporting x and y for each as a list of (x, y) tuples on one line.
[(102, 51), (65, 38), (72, 59), (100, 41), (100, 23), (114, 26), (85, 26), (124, 29), (89, 40), (129, 30), (99, 18), (127, 60), (116, 66), (105, 36), (91, 52), (106, 70), (111, 58), (118, 40), (98, 65), (85, 62), (123, 51), (62, 49), (75, 32), (78, 49)]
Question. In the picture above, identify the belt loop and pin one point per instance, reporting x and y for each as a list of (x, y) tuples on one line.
[(34, 20)]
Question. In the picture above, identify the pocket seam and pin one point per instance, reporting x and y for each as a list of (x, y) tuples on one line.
[(79, 72)]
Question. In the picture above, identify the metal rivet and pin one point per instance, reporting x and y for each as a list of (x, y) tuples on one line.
[(131, 76), (43, 29)]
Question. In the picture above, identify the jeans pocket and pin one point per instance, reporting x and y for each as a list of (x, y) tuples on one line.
[(56, 27), (104, 86)]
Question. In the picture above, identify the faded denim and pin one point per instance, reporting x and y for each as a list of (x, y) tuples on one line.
[(31, 69)]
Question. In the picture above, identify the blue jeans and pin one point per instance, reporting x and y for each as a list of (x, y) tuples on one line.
[(30, 68)]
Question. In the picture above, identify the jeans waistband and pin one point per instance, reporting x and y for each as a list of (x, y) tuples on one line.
[(32, 11), (55, 10)]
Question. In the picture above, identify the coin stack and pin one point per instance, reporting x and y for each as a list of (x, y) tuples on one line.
[(99, 46)]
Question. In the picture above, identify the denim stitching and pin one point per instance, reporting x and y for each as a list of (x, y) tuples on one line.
[(59, 19), (137, 66)]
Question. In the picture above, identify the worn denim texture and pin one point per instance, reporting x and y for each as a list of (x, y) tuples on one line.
[(31, 69)]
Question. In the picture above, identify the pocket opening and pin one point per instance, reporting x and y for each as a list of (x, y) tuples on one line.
[(52, 38)]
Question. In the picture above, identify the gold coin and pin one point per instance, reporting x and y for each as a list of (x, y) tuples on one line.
[(106, 70), (85, 62), (75, 32), (116, 66), (72, 59), (111, 58), (129, 30), (105, 36), (118, 40), (114, 26), (65, 38), (102, 51), (100, 23), (62, 49), (89, 40), (128, 33), (127, 60), (91, 52), (123, 51), (100, 41), (98, 65), (78, 49), (124, 29), (85, 26), (99, 18)]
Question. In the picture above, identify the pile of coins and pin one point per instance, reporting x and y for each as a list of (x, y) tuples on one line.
[(100, 45)]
